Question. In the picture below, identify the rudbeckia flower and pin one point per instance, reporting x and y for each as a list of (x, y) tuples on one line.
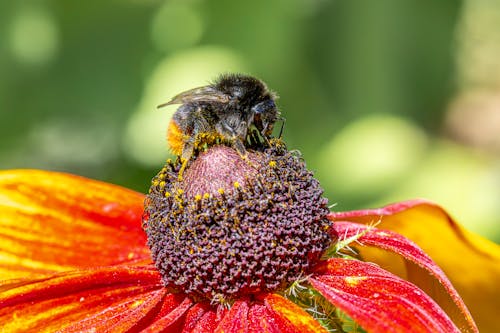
[(233, 246)]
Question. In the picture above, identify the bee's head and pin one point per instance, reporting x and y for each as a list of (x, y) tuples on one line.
[(252, 97), (265, 114)]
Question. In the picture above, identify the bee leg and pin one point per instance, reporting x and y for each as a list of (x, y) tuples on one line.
[(183, 166), (253, 138), (266, 139), (240, 148), (187, 152)]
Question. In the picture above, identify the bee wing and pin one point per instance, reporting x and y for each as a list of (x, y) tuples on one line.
[(200, 94)]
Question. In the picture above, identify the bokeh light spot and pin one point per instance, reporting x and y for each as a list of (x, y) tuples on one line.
[(33, 37), (371, 154), (145, 136), (176, 25)]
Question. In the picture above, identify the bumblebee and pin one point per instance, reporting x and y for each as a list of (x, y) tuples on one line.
[(228, 111)]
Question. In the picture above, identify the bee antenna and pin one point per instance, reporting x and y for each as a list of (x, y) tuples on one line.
[(283, 120)]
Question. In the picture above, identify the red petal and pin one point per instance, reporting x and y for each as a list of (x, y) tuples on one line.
[(54, 222), (469, 261), (369, 214), (276, 314), (235, 319), (378, 300), (261, 320), (206, 324), (110, 298), (438, 287), (126, 315), (171, 322), (193, 316)]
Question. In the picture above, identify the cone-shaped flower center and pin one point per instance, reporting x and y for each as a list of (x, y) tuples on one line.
[(235, 226)]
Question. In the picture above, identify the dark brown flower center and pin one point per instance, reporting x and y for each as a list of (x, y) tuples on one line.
[(235, 226)]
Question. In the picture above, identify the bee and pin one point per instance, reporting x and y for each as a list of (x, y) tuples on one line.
[(224, 111)]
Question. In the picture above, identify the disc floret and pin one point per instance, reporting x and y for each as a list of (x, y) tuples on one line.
[(235, 227)]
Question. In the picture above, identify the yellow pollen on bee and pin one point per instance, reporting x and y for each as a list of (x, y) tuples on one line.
[(272, 164), (353, 281), (175, 138)]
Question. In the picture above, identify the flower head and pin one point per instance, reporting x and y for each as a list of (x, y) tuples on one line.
[(235, 227)]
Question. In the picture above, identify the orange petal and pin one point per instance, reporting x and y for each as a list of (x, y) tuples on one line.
[(54, 222), (420, 269), (469, 261), (378, 300), (294, 318), (106, 299)]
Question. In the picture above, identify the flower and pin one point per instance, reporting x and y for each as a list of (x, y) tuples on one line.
[(73, 257)]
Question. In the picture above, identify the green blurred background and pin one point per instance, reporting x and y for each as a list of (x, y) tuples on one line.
[(387, 100)]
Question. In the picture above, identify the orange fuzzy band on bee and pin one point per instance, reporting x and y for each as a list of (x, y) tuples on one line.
[(176, 138)]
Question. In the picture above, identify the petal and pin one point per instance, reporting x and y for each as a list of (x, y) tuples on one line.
[(129, 313), (271, 313), (378, 300), (245, 317), (194, 316), (417, 268), (235, 320), (171, 320), (292, 316), (261, 320), (469, 261), (106, 299), (207, 323), (54, 222)]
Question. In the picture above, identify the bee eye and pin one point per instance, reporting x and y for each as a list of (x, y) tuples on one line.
[(263, 106)]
